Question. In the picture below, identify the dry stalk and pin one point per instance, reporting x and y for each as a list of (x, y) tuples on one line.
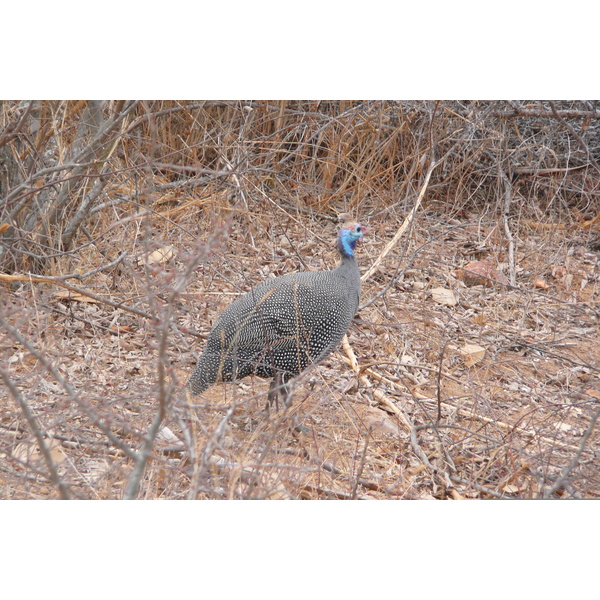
[(509, 236), (350, 360), (164, 401), (207, 452), (361, 466), (577, 137), (351, 357), (407, 222)]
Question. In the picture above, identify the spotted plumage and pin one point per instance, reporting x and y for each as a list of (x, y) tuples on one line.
[(283, 325)]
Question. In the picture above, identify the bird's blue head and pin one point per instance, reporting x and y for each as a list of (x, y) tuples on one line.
[(350, 235)]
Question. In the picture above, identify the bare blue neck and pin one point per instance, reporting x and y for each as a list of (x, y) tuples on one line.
[(346, 245)]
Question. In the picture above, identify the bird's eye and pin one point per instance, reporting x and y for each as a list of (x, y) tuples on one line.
[(358, 229)]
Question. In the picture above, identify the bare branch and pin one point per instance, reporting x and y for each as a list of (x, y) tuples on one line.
[(39, 436), (573, 464)]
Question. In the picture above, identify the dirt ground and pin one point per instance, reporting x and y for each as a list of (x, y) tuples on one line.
[(467, 387)]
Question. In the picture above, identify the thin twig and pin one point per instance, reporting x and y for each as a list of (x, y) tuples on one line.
[(16, 334), (9, 131), (403, 227), (361, 466), (509, 236), (28, 277), (350, 360), (569, 468), (577, 137), (39, 436), (439, 383), (208, 451)]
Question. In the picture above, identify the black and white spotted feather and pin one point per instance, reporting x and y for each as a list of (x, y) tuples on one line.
[(283, 325)]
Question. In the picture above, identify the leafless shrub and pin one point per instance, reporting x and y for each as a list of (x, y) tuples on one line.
[(125, 227)]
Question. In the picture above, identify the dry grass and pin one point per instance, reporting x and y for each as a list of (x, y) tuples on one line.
[(230, 196)]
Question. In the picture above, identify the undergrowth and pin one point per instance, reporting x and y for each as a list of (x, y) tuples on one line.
[(126, 227)]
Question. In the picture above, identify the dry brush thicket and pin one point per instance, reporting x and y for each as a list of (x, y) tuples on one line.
[(470, 371)]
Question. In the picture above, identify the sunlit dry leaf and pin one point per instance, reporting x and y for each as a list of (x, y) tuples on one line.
[(17, 356), (456, 495), (480, 319), (381, 422), (540, 283), (444, 296), (160, 256), (472, 354), (57, 453), (278, 492), (166, 435), (31, 453), (511, 489)]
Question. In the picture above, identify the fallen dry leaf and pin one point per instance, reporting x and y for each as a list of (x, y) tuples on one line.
[(74, 297), (511, 489), (444, 296), (166, 435), (559, 272), (379, 421), (472, 354), (481, 272), (30, 453), (277, 491), (120, 328), (540, 283), (162, 255), (16, 357), (593, 393)]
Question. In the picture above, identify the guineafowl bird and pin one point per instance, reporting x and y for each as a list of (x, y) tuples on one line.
[(283, 325)]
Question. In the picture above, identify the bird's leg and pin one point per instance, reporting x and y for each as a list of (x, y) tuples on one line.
[(286, 393), (277, 389), (280, 387), (273, 395)]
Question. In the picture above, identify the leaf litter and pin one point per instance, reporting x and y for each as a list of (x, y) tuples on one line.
[(499, 385)]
